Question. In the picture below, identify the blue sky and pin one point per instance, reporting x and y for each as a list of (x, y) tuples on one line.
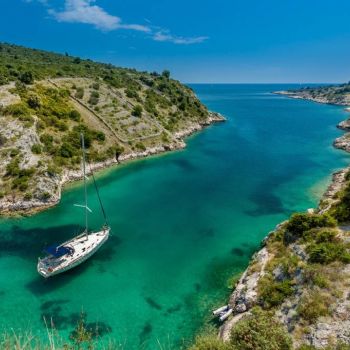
[(198, 41)]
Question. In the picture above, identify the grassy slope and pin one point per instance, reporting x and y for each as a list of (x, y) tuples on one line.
[(47, 99)]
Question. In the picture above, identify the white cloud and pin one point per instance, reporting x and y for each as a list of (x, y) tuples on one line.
[(84, 11), (166, 36)]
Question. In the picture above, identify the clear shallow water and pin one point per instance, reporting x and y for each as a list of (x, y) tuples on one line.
[(183, 223)]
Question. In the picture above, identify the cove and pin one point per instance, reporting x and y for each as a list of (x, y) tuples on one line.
[(182, 223)]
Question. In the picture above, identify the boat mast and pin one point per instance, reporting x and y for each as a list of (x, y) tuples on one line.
[(85, 189)]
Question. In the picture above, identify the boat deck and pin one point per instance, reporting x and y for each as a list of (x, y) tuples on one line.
[(82, 247)]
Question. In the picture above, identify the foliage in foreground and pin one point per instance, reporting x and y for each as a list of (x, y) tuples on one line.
[(259, 331), (81, 338)]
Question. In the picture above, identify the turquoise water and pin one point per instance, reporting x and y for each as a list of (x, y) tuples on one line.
[(183, 223)]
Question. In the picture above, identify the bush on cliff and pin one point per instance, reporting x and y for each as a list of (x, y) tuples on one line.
[(300, 223), (210, 342), (327, 252), (273, 293), (260, 331), (314, 305), (341, 211)]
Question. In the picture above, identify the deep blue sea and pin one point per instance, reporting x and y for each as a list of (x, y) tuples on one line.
[(183, 223)]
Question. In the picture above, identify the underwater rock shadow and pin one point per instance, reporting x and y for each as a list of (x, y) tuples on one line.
[(152, 303), (53, 317), (184, 164), (145, 333)]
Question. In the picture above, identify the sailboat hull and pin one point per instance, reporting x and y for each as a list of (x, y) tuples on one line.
[(81, 248)]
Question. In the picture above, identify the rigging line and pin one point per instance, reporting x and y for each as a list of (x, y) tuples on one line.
[(98, 195)]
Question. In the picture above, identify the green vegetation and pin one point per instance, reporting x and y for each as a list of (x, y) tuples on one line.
[(300, 223), (137, 111), (314, 305), (258, 331), (82, 338), (27, 65), (341, 211), (273, 293), (210, 342), (53, 98)]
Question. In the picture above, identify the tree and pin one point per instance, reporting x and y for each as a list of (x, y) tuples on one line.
[(77, 60), (74, 115), (166, 74), (33, 101), (137, 111), (26, 78)]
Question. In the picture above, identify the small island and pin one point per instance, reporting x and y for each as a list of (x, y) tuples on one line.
[(48, 99)]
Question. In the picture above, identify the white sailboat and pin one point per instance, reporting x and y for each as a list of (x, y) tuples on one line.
[(69, 254)]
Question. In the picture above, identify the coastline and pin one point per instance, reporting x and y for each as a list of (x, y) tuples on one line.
[(304, 95), (245, 294), (26, 208)]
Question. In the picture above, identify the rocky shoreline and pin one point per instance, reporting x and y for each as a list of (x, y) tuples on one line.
[(245, 295), (318, 97), (15, 207)]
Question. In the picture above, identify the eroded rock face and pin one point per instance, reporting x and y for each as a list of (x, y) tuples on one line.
[(245, 294), (336, 327), (343, 143), (344, 125)]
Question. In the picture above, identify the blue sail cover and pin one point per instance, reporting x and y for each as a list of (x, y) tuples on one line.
[(58, 251)]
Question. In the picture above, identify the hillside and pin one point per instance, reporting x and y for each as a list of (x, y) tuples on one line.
[(48, 99), (333, 94)]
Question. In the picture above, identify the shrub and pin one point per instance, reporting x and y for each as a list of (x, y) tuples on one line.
[(3, 140), (33, 101), (300, 223), (131, 93), (140, 146), (26, 78), (74, 115), (17, 109), (325, 253), (79, 93), (66, 150), (272, 293), (326, 236), (99, 136), (94, 97), (260, 331), (209, 342), (12, 168), (341, 210), (45, 196), (28, 196), (36, 148), (95, 86), (166, 74), (137, 111), (313, 306), (315, 275)]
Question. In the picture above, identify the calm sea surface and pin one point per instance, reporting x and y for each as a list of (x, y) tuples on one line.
[(183, 223)]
